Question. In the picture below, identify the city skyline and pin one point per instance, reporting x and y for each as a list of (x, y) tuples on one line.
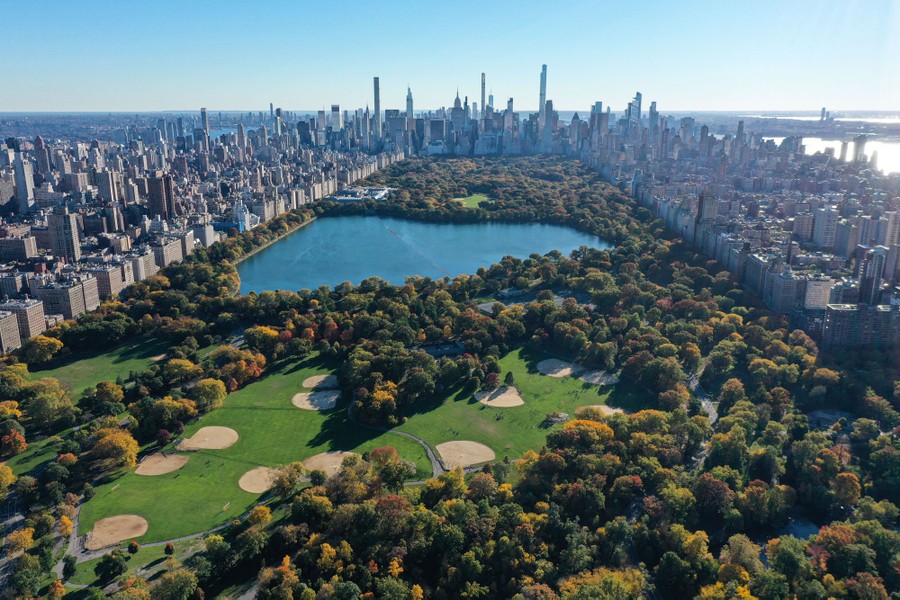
[(701, 58)]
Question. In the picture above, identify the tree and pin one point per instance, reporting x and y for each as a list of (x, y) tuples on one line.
[(742, 552), (19, 541), (208, 394), (47, 402), (288, 480), (107, 392), (13, 443), (260, 515), (170, 548), (40, 349), (114, 448), (179, 584), (847, 489), (7, 479), (263, 339), (179, 370), (133, 547), (65, 526), (163, 437), (509, 379), (27, 576), (111, 565), (56, 590), (69, 567)]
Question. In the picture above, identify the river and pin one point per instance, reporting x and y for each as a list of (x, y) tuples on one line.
[(888, 157), (332, 250)]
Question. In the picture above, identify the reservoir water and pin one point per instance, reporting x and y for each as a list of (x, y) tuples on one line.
[(332, 250)]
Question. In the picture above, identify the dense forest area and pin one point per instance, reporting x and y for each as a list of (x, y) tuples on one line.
[(664, 500)]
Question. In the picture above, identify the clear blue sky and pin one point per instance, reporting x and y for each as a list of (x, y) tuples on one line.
[(718, 55)]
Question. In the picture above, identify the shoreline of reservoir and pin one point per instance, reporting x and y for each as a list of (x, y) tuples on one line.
[(353, 248), (272, 241)]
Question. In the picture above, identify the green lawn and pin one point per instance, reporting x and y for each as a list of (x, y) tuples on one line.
[(34, 455), (508, 431), (473, 200), (84, 370), (205, 493), (150, 559)]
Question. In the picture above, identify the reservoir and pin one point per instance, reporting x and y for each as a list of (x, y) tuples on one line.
[(332, 250)]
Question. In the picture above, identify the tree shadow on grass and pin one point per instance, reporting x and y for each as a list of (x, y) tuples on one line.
[(291, 364), (139, 348), (154, 563), (631, 398), (338, 432)]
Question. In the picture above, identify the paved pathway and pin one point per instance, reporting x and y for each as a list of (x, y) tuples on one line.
[(437, 467)]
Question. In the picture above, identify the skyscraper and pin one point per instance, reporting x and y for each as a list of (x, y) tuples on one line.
[(63, 231), (542, 115), (859, 150), (409, 103), (482, 105), (825, 226), (892, 233), (161, 195), (377, 132), (24, 183), (336, 121), (871, 273), (204, 119), (106, 183)]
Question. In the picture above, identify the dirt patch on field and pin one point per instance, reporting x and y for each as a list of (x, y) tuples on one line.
[(258, 480), (606, 410), (321, 382), (318, 400), (158, 357), (330, 462), (599, 378), (210, 438), (160, 464), (553, 367), (504, 397), (112, 530), (464, 454)]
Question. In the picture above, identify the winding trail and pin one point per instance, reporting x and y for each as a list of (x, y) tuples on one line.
[(437, 467)]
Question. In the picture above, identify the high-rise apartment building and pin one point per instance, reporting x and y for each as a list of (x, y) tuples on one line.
[(824, 227), (29, 315), (860, 325), (63, 230), (9, 332), (871, 272), (161, 196), (24, 183)]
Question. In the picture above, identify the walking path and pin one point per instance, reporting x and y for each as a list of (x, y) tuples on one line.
[(437, 467)]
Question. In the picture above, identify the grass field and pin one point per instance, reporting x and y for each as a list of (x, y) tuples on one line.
[(205, 493), (508, 431), (473, 200), (148, 559), (80, 371), (85, 370), (37, 453)]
